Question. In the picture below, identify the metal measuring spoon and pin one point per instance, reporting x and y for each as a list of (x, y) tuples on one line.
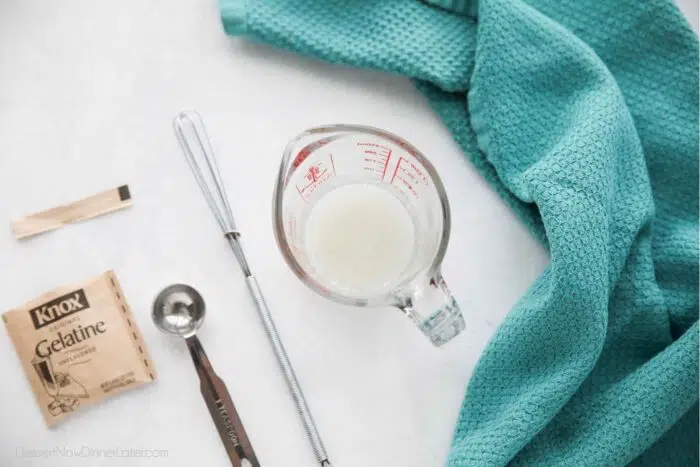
[(179, 309)]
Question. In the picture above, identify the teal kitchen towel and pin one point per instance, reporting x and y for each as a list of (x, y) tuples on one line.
[(583, 116)]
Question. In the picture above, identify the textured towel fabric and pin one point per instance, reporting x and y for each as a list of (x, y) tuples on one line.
[(467, 7), (583, 115)]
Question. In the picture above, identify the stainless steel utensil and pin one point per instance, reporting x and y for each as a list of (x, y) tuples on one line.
[(179, 309), (192, 137)]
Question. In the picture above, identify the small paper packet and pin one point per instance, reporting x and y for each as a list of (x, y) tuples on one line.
[(78, 345), (93, 206)]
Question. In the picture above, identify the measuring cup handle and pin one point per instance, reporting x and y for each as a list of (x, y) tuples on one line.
[(434, 310)]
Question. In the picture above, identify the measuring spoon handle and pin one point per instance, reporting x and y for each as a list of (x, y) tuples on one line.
[(222, 410)]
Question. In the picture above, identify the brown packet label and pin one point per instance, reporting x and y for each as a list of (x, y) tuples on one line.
[(78, 345)]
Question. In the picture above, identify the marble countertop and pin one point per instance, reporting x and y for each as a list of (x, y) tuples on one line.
[(87, 93)]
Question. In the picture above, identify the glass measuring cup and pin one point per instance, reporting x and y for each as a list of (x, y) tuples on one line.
[(321, 160)]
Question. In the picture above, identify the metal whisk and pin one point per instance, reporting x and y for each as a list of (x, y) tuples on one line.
[(193, 139)]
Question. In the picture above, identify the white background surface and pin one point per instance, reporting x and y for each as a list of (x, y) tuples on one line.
[(87, 93)]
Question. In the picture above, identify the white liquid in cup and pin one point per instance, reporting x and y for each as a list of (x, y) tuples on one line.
[(359, 240)]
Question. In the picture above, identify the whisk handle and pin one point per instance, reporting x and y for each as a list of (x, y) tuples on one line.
[(286, 366)]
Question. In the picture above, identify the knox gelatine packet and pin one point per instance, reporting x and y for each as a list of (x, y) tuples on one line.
[(78, 345)]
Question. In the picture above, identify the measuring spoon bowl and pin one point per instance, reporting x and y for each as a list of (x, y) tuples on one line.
[(179, 309)]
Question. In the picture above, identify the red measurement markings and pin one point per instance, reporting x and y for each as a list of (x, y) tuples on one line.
[(305, 151), (419, 174), (386, 163), (409, 187), (409, 175), (377, 158), (301, 157), (315, 176), (396, 170)]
